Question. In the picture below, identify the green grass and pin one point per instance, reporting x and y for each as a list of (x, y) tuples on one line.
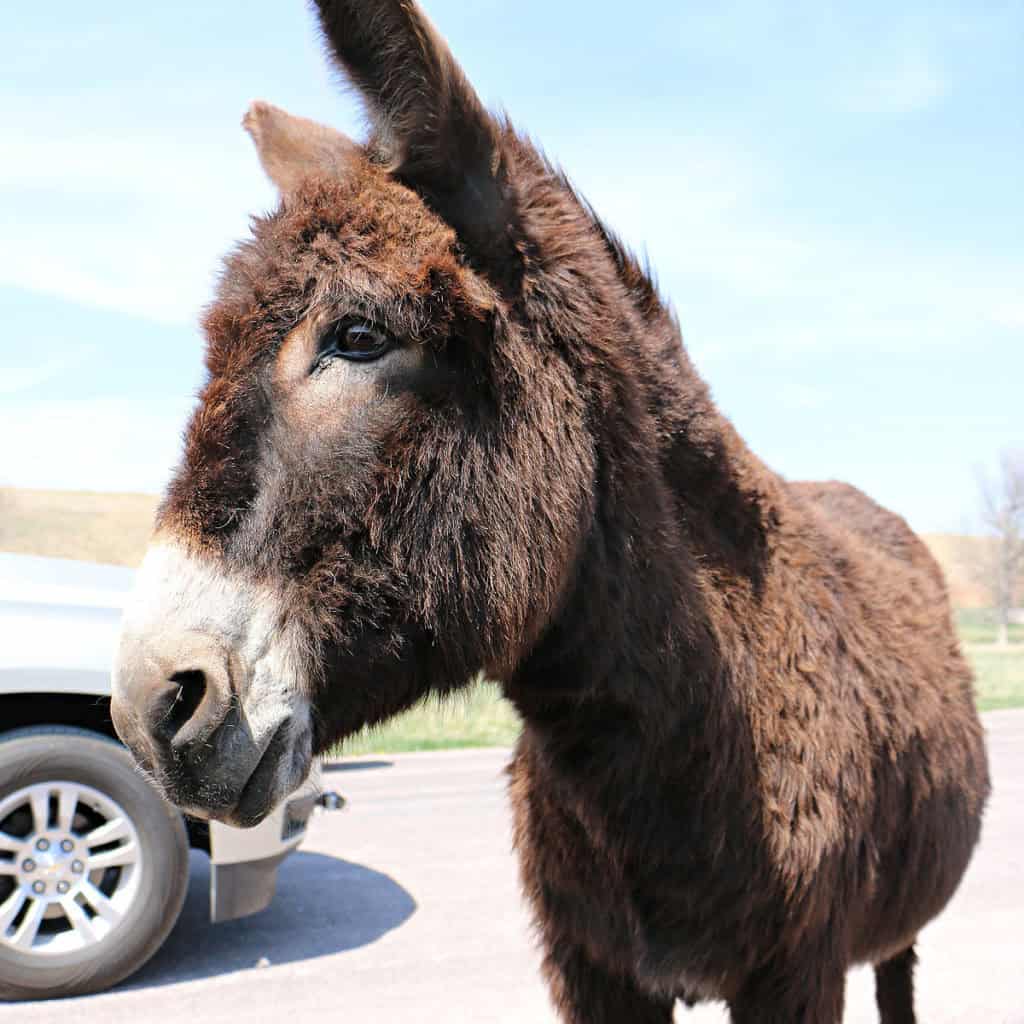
[(479, 717), (1000, 676), (978, 626), (999, 670)]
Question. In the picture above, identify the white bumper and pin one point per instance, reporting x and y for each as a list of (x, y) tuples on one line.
[(244, 862)]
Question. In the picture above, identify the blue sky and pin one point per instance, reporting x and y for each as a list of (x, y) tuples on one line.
[(830, 195)]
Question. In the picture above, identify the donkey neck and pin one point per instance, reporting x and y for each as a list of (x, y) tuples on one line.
[(685, 515)]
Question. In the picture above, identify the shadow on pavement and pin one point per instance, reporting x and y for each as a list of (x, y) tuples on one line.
[(323, 905)]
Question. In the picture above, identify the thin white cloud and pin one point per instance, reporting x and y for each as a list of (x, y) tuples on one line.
[(803, 396), (103, 444), (1009, 314), (905, 84), (695, 212), (148, 284), (135, 226), (704, 216), (16, 379)]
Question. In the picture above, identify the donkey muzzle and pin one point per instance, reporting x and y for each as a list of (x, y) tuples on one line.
[(204, 695)]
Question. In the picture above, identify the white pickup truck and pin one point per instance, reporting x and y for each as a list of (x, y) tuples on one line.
[(93, 863)]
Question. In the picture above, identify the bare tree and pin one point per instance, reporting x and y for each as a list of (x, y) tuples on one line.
[(998, 564)]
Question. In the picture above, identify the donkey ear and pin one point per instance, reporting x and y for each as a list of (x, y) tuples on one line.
[(429, 125), (292, 149)]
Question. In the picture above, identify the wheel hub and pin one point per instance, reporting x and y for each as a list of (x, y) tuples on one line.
[(50, 866)]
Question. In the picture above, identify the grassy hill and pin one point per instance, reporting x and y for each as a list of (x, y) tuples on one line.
[(109, 528), (115, 528)]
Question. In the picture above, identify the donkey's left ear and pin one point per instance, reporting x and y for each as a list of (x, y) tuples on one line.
[(429, 125), (292, 149)]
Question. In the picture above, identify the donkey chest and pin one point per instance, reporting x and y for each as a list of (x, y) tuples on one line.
[(645, 884)]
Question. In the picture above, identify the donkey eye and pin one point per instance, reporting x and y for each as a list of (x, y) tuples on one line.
[(357, 340)]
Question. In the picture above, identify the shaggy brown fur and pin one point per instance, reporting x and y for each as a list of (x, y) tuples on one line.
[(750, 756)]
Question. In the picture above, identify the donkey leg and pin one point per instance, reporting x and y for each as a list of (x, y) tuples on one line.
[(796, 998), (894, 988), (584, 993)]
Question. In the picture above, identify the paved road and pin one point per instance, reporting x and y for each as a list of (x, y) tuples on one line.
[(405, 908)]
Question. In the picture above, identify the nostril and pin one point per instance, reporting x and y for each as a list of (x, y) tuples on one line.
[(185, 703)]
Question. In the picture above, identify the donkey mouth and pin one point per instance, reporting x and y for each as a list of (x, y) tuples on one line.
[(278, 772), (281, 769), (207, 791)]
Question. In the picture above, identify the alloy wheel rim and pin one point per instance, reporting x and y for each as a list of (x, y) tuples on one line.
[(70, 867)]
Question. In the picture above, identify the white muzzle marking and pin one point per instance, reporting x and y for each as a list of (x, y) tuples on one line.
[(177, 592)]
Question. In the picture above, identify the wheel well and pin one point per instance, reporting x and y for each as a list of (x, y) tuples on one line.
[(87, 711), (84, 710)]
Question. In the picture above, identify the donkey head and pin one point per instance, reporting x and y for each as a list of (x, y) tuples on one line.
[(390, 471)]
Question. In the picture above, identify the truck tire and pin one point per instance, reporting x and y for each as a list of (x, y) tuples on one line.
[(93, 864)]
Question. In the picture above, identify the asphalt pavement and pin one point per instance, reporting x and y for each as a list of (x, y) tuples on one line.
[(405, 908)]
